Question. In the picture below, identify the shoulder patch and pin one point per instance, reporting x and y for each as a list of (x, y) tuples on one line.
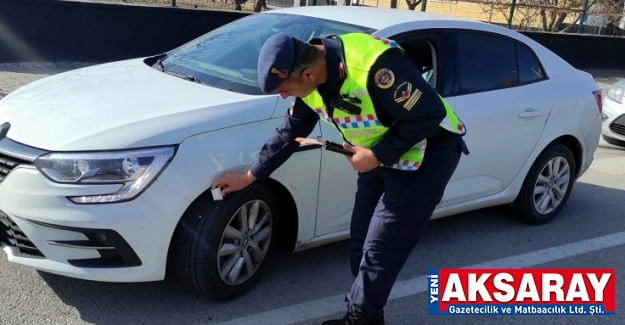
[(407, 94), (384, 78)]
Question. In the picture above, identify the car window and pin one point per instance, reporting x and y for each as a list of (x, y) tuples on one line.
[(227, 57), (421, 53), (529, 67), (486, 62)]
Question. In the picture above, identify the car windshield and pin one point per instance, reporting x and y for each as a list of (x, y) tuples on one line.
[(227, 57)]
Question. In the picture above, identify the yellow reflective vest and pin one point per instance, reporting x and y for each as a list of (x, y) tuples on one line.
[(365, 130)]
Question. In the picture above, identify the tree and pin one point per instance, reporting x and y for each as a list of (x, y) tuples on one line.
[(551, 15), (238, 3), (260, 4), (412, 4), (605, 13)]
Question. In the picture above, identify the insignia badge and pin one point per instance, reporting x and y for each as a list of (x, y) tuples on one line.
[(384, 78), (404, 93), (341, 70), (282, 73), (291, 107)]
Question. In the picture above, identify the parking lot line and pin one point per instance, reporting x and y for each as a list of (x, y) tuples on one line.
[(331, 305)]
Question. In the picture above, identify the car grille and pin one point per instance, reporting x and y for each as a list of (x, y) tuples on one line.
[(618, 126), (12, 235), (7, 164)]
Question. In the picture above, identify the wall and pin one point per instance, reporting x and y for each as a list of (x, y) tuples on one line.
[(585, 51), (49, 30)]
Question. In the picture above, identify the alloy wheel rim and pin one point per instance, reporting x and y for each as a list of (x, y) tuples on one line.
[(244, 242), (552, 185)]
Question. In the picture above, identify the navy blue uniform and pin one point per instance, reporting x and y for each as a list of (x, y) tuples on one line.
[(410, 126), (392, 206)]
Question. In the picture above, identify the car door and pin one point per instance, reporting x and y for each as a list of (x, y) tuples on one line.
[(500, 94), (337, 187), (337, 182), (300, 174)]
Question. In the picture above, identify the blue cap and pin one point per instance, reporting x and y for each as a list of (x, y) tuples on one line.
[(275, 61)]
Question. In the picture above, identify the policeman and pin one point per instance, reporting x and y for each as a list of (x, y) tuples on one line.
[(406, 143)]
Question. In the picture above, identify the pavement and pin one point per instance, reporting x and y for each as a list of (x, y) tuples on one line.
[(308, 287), (15, 75)]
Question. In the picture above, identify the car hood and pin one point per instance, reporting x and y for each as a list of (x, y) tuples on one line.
[(120, 105)]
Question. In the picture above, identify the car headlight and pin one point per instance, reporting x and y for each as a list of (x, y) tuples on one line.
[(617, 91), (135, 169)]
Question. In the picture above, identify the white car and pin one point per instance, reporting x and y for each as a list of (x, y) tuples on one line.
[(106, 170), (613, 130)]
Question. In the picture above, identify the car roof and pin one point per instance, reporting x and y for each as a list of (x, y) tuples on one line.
[(371, 17), (393, 19)]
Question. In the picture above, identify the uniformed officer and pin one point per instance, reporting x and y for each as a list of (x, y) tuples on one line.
[(406, 140)]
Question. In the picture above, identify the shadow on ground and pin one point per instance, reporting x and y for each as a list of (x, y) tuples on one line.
[(456, 241)]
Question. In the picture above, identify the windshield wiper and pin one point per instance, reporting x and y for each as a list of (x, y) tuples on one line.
[(186, 77), (159, 64)]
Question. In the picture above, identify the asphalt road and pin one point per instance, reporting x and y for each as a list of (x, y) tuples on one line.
[(308, 286)]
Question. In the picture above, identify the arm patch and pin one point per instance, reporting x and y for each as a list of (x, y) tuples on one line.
[(406, 94)]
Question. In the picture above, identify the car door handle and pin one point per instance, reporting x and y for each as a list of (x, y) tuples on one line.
[(530, 112)]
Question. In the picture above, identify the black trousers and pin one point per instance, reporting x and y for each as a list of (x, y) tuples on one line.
[(391, 211)]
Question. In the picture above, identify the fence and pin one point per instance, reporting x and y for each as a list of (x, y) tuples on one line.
[(600, 17)]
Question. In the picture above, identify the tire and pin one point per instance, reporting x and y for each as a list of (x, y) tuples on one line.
[(613, 141), (532, 208), (201, 234)]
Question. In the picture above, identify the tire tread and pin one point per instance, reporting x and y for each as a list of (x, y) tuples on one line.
[(199, 228), (523, 206)]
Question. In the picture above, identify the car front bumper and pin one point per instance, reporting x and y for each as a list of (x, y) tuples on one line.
[(113, 242), (613, 125)]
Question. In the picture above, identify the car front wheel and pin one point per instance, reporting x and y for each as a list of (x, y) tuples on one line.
[(547, 186), (221, 246)]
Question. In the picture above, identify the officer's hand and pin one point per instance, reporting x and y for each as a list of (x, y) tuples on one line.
[(363, 159), (233, 182)]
